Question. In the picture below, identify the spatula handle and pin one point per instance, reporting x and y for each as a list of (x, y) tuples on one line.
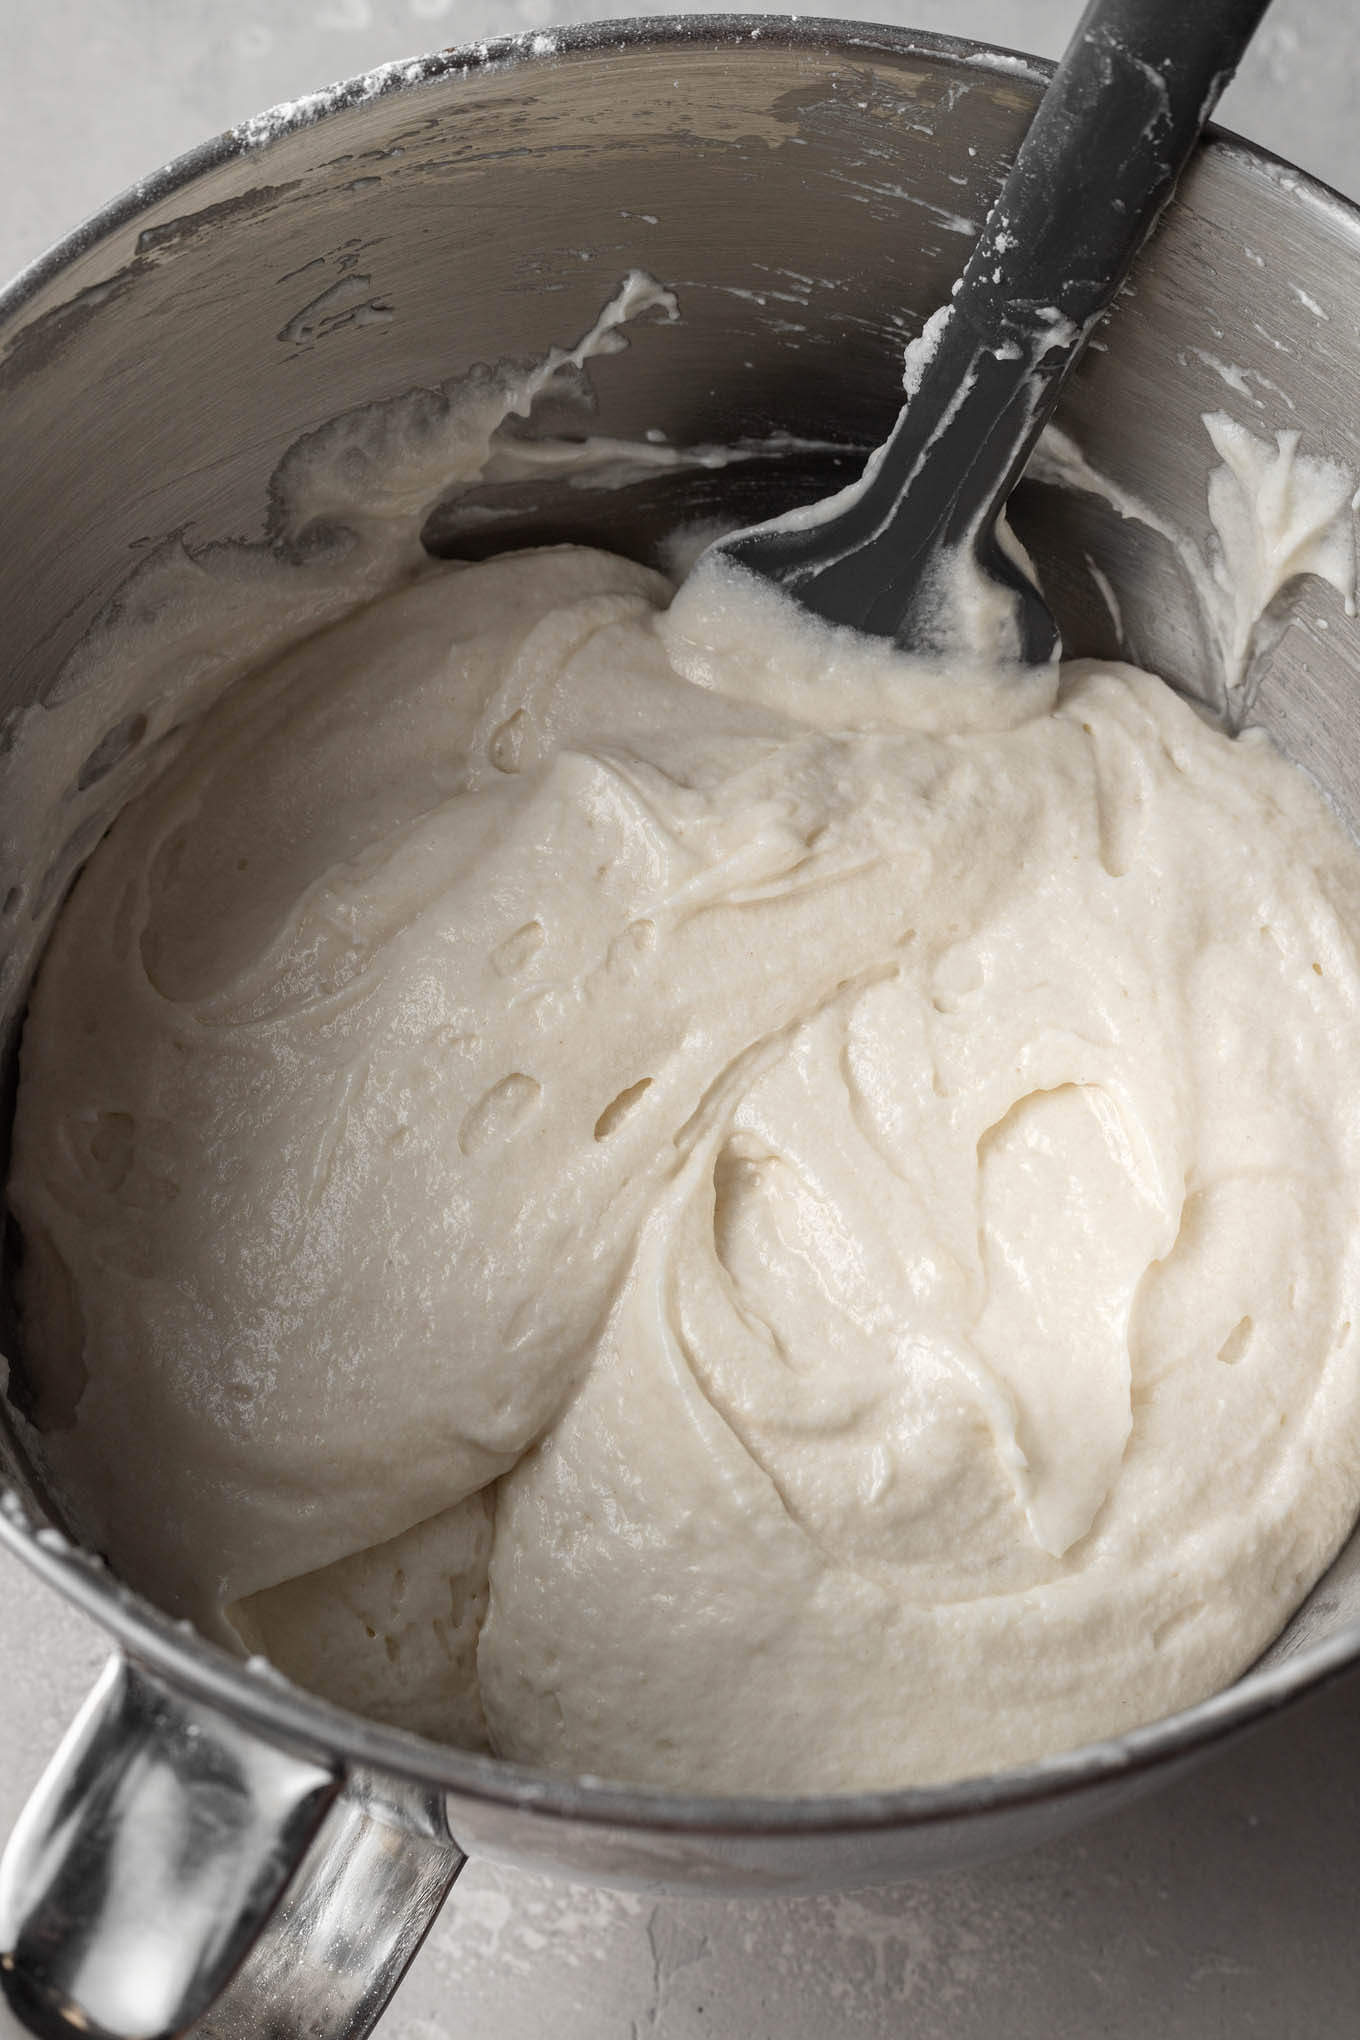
[(1101, 158)]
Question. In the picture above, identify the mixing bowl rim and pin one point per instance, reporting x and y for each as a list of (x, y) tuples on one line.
[(251, 1690), (259, 132)]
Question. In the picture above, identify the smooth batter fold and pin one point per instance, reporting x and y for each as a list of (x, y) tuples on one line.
[(673, 1196)]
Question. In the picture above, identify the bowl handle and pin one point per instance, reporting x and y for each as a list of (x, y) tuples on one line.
[(172, 1871)]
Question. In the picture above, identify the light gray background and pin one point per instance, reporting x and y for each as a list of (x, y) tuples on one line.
[(1227, 1905)]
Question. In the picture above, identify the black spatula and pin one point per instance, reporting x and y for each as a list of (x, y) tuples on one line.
[(904, 552)]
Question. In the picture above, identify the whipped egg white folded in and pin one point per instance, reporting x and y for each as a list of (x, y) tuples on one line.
[(640, 1185)]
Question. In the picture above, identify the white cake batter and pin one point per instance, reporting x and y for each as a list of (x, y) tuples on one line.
[(851, 1219)]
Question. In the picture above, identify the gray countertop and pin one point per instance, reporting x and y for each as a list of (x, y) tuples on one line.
[(1224, 1905)]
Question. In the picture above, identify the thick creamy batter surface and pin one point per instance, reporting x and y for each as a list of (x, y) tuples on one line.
[(678, 1199)]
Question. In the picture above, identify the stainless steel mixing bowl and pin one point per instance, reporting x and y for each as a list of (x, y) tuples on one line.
[(208, 1835)]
